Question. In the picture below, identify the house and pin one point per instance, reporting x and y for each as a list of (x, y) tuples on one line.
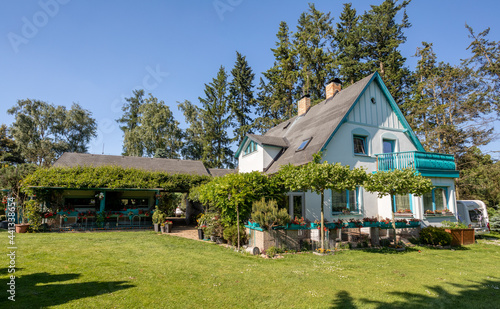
[(359, 126), (122, 201)]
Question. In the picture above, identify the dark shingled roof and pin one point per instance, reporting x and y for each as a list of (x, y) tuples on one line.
[(318, 123), (217, 172), (269, 140), (172, 166)]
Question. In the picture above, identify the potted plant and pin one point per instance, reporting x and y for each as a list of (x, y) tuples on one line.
[(168, 226), (158, 218), (460, 233), (31, 217), (162, 228)]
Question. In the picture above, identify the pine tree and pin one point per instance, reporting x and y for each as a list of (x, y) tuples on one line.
[(193, 143), (349, 51), (313, 39), (276, 99), (215, 114), (382, 37), (130, 120), (241, 97), (485, 61)]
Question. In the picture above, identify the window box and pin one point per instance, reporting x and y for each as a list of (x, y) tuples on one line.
[(333, 225), (353, 225), (371, 224), (292, 226)]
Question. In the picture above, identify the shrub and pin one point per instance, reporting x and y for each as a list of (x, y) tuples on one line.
[(273, 251), (33, 214), (267, 214), (435, 236), (495, 221), (385, 242), (158, 216), (3, 217), (213, 224), (231, 234), (453, 225)]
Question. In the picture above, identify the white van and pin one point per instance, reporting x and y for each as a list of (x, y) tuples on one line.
[(473, 214)]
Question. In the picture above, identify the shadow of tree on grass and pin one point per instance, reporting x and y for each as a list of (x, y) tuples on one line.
[(43, 289), (484, 294)]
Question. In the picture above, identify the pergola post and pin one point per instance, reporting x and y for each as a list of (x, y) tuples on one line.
[(103, 202)]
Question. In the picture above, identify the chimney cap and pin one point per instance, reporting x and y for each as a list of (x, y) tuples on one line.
[(335, 80), (306, 95)]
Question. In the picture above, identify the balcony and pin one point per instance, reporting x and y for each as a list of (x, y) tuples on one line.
[(426, 163)]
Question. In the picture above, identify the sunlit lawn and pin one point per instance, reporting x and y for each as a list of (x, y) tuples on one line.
[(145, 270)]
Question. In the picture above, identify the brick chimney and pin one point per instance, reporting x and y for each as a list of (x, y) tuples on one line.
[(304, 104), (332, 87)]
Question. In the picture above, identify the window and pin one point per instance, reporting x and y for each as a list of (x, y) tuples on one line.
[(359, 144), (304, 144), (402, 203), (346, 201), (436, 200), (388, 145), (252, 147)]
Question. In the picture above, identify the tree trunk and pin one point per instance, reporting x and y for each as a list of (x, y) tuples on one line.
[(322, 222)]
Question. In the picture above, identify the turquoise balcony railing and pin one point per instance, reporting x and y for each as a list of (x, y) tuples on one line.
[(426, 163)]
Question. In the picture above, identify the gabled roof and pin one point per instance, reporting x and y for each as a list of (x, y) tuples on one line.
[(172, 166), (219, 172), (321, 123), (262, 140)]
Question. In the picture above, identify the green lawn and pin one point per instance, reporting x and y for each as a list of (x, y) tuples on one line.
[(145, 270)]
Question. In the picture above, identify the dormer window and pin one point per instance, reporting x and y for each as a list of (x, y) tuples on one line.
[(251, 147), (304, 144)]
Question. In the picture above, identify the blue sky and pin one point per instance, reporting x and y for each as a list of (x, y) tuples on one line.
[(96, 52)]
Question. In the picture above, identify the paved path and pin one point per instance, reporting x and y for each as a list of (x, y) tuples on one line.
[(185, 231)]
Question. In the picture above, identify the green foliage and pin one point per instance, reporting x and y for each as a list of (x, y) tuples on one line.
[(231, 234), (318, 177), (32, 214), (169, 201), (241, 100), (44, 131), (276, 100), (212, 224), (312, 43), (11, 178), (382, 36), (130, 122), (398, 182), (158, 216), (273, 251), (9, 150), (453, 225), (385, 242), (216, 120), (112, 177), (149, 128), (238, 190), (193, 136), (435, 236), (268, 215), (100, 218), (494, 220)]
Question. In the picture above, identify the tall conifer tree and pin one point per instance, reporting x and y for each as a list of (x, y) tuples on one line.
[(349, 51), (241, 97), (312, 41), (216, 120), (277, 98), (193, 143), (383, 36)]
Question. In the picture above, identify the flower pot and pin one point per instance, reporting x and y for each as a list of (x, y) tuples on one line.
[(162, 229), (200, 234), (22, 228), (156, 227), (370, 224), (168, 228), (462, 236)]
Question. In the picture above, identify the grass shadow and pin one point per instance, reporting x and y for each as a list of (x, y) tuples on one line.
[(469, 296), (436, 296), (386, 250), (44, 290)]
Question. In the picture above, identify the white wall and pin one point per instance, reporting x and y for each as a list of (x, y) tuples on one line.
[(257, 160)]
